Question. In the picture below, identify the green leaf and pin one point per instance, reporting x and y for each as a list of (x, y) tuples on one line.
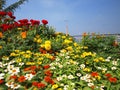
[(87, 88)]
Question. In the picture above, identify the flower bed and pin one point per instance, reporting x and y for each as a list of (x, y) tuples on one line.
[(35, 57)]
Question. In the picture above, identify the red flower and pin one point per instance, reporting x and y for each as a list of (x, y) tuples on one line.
[(35, 83), (108, 75), (33, 72), (33, 68), (2, 13), (48, 73), (34, 22), (49, 80), (46, 66), (112, 79), (44, 21), (21, 79), (40, 85), (13, 77), (1, 81), (94, 74), (9, 14)]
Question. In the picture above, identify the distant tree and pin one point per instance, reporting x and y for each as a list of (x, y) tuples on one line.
[(12, 7)]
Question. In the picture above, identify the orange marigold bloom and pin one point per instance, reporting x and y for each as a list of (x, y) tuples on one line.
[(108, 75), (46, 66), (94, 74), (1, 34), (49, 80), (48, 73), (40, 85), (21, 79), (1, 81), (24, 34), (13, 77), (112, 79)]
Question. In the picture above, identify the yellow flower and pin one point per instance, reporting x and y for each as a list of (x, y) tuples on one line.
[(87, 69), (35, 40), (63, 37), (98, 77), (96, 60), (63, 51), (19, 60), (42, 45), (59, 89), (28, 51), (12, 54), (27, 55), (39, 63), (28, 63), (17, 51), (69, 48), (66, 41), (101, 59), (39, 40), (47, 47), (54, 86), (48, 42), (85, 47), (19, 28), (75, 44), (0, 47), (35, 88)]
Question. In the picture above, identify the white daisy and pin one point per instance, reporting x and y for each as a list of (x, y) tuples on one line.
[(29, 76)]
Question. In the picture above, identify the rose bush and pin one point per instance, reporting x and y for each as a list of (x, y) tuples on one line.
[(35, 57)]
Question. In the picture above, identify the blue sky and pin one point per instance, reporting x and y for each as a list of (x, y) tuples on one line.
[(100, 16)]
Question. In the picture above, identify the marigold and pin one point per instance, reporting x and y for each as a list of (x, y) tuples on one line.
[(1, 34), (24, 34), (1, 81), (21, 79), (94, 74), (40, 85), (47, 47), (112, 79), (54, 86)]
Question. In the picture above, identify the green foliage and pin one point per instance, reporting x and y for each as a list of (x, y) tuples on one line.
[(101, 44)]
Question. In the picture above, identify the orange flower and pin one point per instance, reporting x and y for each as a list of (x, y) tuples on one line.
[(94, 74), (40, 85), (46, 66), (48, 73), (1, 81), (13, 77), (1, 34), (24, 34), (113, 79), (21, 79)]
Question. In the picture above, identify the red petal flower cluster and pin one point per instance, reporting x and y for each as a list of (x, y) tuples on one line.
[(1, 81), (49, 80), (38, 84), (94, 74), (44, 21)]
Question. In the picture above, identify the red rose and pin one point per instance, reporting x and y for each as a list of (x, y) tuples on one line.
[(44, 21)]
